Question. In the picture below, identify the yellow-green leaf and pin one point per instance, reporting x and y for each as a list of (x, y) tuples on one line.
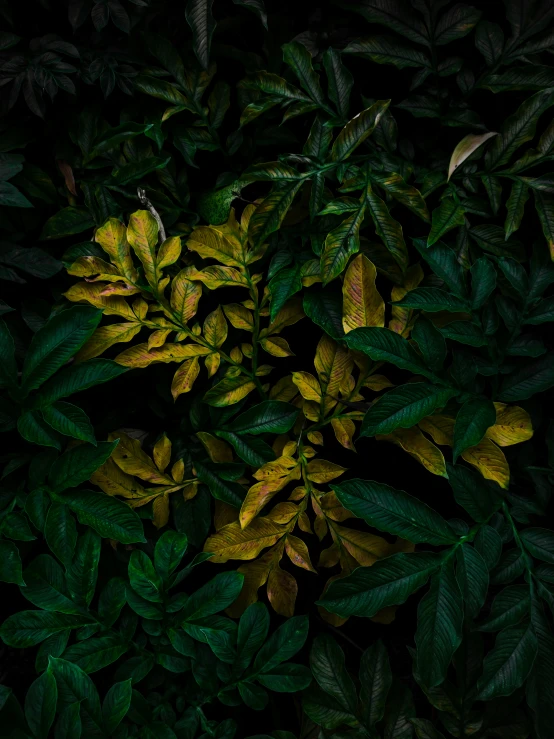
[(184, 378), (362, 305), (142, 235)]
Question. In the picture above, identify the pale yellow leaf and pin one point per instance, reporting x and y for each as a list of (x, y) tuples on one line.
[(142, 235), (362, 305), (308, 386), (282, 590), (239, 316), (129, 456), (378, 382), (277, 346), (218, 450), (184, 378), (233, 542), (215, 328), (321, 471), (113, 481), (160, 509), (490, 461), (344, 429), (440, 428), (169, 252), (419, 447), (107, 336), (513, 425), (140, 356)]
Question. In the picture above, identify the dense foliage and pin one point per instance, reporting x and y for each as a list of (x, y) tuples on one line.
[(276, 369)]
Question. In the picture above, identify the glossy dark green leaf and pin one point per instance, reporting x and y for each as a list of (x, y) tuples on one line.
[(464, 332), (34, 428), (324, 308), (252, 632), (60, 532), (473, 419), (489, 39), (253, 451), (383, 345), (46, 587), (69, 420), (168, 553), (327, 665), (388, 509), (473, 578), (394, 15), (339, 81), (483, 282), (283, 644), (439, 626), (527, 380), (388, 50), (430, 341), (270, 416), (403, 407), (144, 579), (78, 377), (67, 222), (509, 607), (299, 60), (83, 573), (387, 228), (489, 545), (199, 17), (116, 705), (270, 212), (455, 23), (478, 496), (357, 130), (75, 686), (94, 654), (77, 465), (10, 563), (214, 596), (544, 313), (40, 704), (539, 543), (340, 244), (515, 207), (388, 582), (57, 342), (27, 628), (69, 725), (509, 663), (432, 300), (447, 216), (375, 682)]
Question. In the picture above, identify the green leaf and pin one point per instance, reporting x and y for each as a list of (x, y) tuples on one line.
[(483, 282), (69, 724), (425, 729), (444, 263), (339, 81), (136, 171), (439, 626), (396, 16), (403, 407), (455, 23), (515, 207), (10, 563), (268, 417), (509, 663), (394, 511), (324, 308), (340, 244), (509, 607), (387, 228), (254, 452), (375, 682), (383, 345), (109, 516), (396, 186), (288, 678), (447, 216), (388, 582), (528, 379), (144, 608), (388, 50), (144, 579), (473, 578), (75, 686), (544, 205), (57, 342), (69, 420), (94, 654), (161, 89), (489, 39), (27, 628), (283, 644), (430, 341), (60, 532), (40, 704), (46, 587), (76, 465), (67, 222), (269, 214), (112, 600), (78, 377), (168, 553), (11, 197), (116, 704), (286, 283), (34, 429), (544, 313), (539, 543), (229, 492), (328, 668), (489, 545), (472, 421), (432, 300), (216, 595), (113, 137), (465, 333), (518, 128), (83, 573), (252, 632), (357, 130), (8, 368), (480, 497), (299, 59), (199, 17)]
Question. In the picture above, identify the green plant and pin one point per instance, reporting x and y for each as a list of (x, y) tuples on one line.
[(333, 288)]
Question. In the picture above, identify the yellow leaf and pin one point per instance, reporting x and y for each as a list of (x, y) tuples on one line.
[(91, 292), (400, 320), (298, 554), (178, 471), (118, 288), (288, 315), (276, 468), (378, 382), (333, 508), (282, 590), (333, 364), (239, 316), (113, 481), (320, 471), (261, 493), (211, 363), (162, 453), (184, 378), (214, 277), (490, 461), (169, 252), (157, 338), (107, 336), (212, 244), (142, 235), (140, 356), (90, 266), (217, 449), (284, 389), (362, 305), (276, 346), (255, 575), (190, 490), (185, 295), (513, 425), (316, 437), (440, 428), (310, 272), (283, 512), (308, 385), (112, 237), (129, 457), (215, 328), (344, 429), (233, 542), (229, 390), (329, 557), (419, 447), (160, 508)]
